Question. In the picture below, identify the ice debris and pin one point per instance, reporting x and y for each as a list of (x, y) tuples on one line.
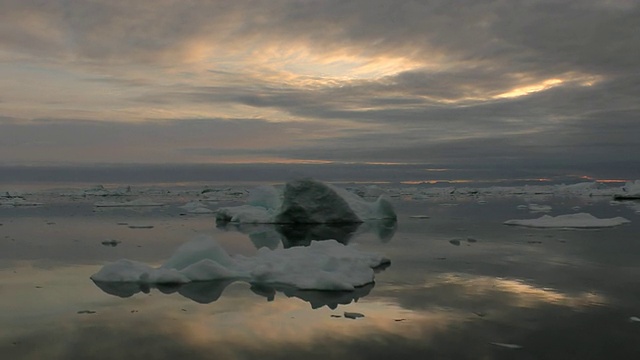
[(353, 315), (306, 201), (323, 265), (196, 207), (132, 203), (579, 220), (18, 201)]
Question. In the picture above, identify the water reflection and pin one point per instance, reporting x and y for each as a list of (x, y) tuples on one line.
[(289, 235), (205, 292)]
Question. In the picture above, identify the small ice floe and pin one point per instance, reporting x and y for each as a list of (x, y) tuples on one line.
[(522, 207), (419, 216), (505, 345), (86, 312), (353, 315), (140, 226), (577, 221), (634, 319), (111, 242), (196, 207), (481, 202), (539, 208), (132, 203), (323, 265)]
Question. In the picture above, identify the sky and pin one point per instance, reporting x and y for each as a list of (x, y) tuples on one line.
[(483, 84)]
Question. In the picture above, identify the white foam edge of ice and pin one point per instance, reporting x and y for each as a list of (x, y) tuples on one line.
[(579, 220), (324, 265)]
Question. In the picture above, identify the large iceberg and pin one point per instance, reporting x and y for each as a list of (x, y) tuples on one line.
[(306, 201), (324, 265), (578, 221)]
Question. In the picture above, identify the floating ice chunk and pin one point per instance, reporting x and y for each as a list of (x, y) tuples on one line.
[(111, 242), (140, 226), (539, 208), (628, 192), (580, 220), (353, 315), (634, 319), (132, 203), (196, 207), (323, 265), (307, 201)]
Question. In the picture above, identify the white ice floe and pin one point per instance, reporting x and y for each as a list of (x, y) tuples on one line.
[(196, 207), (579, 220), (539, 208), (324, 265), (132, 203), (306, 201)]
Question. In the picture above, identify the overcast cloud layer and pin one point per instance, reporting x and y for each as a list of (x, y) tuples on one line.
[(455, 83)]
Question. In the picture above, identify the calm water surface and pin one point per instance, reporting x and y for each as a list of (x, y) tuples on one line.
[(460, 286)]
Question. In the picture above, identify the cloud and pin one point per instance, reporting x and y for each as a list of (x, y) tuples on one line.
[(403, 80)]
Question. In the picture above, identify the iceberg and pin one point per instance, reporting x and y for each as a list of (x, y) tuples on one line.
[(577, 221), (306, 201), (323, 265)]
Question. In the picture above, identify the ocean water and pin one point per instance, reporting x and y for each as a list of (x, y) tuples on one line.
[(461, 285)]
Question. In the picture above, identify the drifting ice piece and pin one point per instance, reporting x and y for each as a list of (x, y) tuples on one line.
[(580, 220)]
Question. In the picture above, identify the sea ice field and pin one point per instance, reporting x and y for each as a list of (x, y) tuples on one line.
[(245, 271)]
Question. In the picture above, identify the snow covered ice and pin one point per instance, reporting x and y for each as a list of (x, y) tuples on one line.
[(306, 201), (323, 265), (579, 220)]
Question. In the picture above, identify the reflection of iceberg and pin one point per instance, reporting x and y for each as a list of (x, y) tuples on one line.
[(323, 265), (271, 235), (306, 201)]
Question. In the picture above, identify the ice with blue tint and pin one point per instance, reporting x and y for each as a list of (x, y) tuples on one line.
[(306, 201), (323, 265)]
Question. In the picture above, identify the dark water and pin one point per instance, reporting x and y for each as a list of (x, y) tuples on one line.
[(460, 286)]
